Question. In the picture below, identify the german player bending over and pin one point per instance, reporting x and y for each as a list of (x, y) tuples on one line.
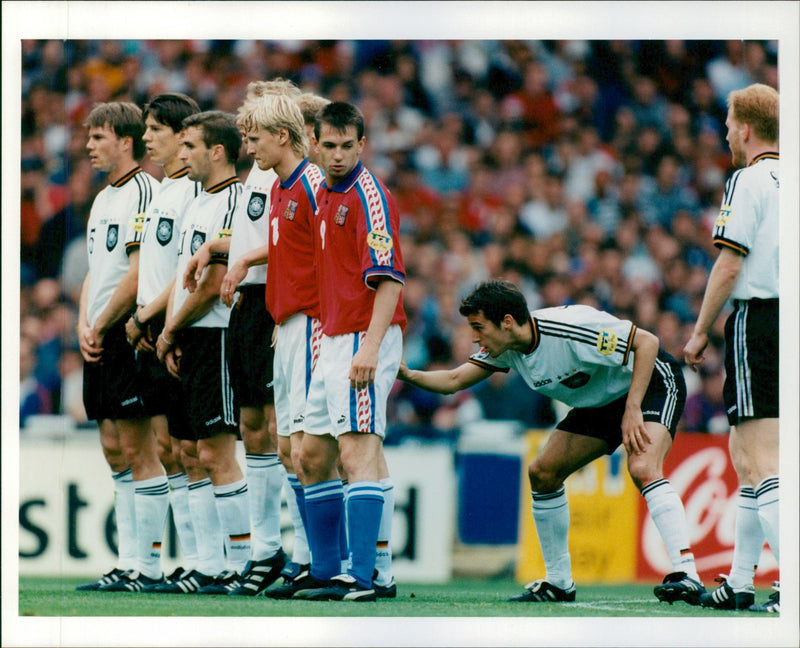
[(622, 389)]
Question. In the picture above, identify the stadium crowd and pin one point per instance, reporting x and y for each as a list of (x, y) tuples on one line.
[(583, 171)]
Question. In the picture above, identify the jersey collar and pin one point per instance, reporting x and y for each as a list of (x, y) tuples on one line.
[(345, 185), (121, 181), (180, 173), (769, 155), (295, 174), (221, 185), (536, 336)]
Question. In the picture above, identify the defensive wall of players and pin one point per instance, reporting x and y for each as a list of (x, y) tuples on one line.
[(476, 497)]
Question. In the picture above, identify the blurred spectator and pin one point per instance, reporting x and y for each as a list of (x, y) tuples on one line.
[(34, 398)]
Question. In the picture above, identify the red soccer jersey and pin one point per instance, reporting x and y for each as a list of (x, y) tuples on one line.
[(291, 276), (356, 244)]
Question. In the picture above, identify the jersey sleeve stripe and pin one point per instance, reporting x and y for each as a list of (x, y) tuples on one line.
[(374, 205), (629, 346), (487, 367), (721, 242)]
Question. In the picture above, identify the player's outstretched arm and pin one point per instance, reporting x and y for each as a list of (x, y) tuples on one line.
[(446, 381)]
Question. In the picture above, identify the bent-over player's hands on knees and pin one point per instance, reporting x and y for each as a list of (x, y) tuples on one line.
[(693, 351), (634, 433)]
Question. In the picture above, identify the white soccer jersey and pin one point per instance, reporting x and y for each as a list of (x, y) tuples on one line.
[(158, 255), (209, 215), (580, 356), (748, 223), (114, 230), (251, 222)]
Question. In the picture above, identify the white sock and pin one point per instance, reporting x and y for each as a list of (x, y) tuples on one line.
[(767, 496), (301, 554), (551, 516), (344, 530), (383, 558), (264, 484), (207, 528), (125, 514), (667, 511), (151, 499), (234, 514), (179, 502), (748, 540)]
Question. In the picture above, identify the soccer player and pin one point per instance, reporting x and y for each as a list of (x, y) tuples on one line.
[(276, 138), (746, 270), (360, 275), (158, 257), (622, 388), (192, 343), (112, 391), (250, 353)]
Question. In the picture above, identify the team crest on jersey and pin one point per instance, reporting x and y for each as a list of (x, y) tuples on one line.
[(198, 238), (379, 240), (164, 230), (290, 211), (724, 216), (112, 236), (340, 215), (607, 342), (256, 206)]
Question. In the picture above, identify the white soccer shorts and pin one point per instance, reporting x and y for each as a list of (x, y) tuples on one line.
[(297, 347), (333, 407)]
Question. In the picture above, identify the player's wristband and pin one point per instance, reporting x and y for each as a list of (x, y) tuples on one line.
[(136, 321)]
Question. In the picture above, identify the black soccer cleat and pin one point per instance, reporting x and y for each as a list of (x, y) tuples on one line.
[(339, 588), (726, 598), (225, 583), (106, 579), (295, 578), (132, 581), (773, 605), (677, 586), (188, 583), (540, 591), (258, 575), (385, 591)]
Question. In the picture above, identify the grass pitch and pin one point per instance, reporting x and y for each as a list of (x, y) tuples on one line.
[(57, 597)]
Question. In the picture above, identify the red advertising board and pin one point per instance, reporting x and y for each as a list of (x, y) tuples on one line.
[(699, 468)]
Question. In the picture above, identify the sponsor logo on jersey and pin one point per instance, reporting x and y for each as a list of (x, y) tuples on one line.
[(213, 420), (290, 211), (164, 230), (112, 236), (576, 380), (299, 420), (724, 216), (138, 223), (340, 215), (256, 206), (224, 233), (542, 383), (379, 240), (606, 342), (198, 238)]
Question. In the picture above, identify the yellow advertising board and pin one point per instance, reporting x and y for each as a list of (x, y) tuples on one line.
[(603, 521)]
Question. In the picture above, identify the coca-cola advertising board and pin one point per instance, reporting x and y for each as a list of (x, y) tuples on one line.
[(700, 470)]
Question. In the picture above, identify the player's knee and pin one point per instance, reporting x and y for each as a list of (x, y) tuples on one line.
[(543, 479), (643, 472)]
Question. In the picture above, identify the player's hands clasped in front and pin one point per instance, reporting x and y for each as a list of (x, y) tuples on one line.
[(362, 369), (634, 433), (90, 345), (693, 351)]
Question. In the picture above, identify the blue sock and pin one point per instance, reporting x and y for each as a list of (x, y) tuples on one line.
[(364, 510), (323, 514), (300, 496)]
